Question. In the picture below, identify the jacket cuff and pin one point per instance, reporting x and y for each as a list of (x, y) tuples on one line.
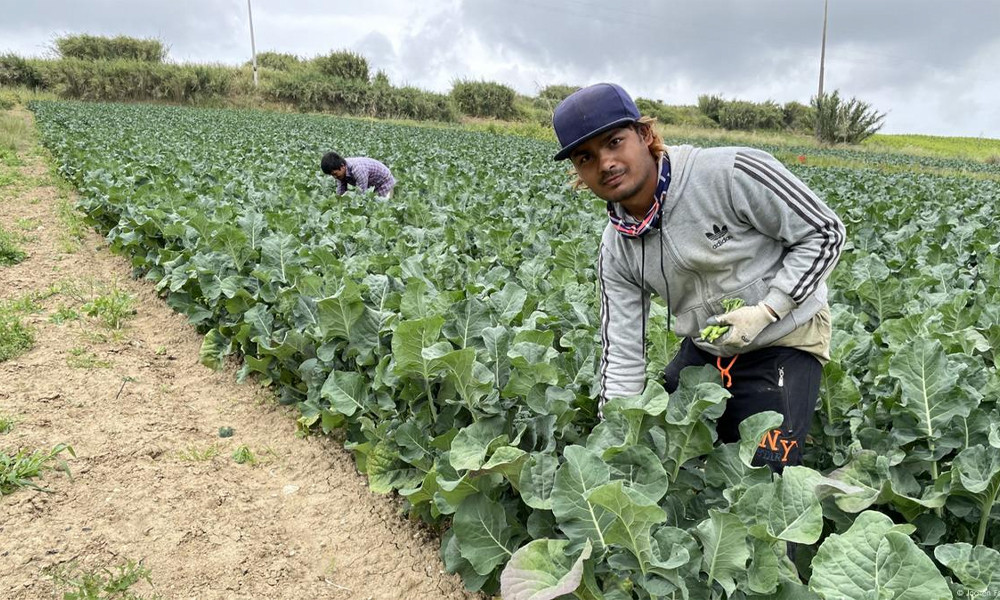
[(780, 302)]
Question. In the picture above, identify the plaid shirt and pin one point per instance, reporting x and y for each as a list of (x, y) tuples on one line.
[(366, 173)]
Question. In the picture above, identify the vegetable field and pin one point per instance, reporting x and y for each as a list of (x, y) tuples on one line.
[(450, 335)]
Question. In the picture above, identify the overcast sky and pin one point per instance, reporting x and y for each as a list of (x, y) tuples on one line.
[(931, 66)]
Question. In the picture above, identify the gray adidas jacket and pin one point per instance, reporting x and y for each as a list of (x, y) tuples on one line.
[(735, 223)]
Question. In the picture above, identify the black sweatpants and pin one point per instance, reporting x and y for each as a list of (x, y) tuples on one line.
[(785, 380)]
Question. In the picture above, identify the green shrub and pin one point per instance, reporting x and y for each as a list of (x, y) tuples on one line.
[(750, 116), (484, 99), (534, 110), (311, 90), (117, 80), (557, 93), (660, 111), (798, 116), (279, 61), (539, 110), (412, 103), (742, 114), (15, 70), (738, 114), (8, 100), (769, 115), (691, 116), (847, 122), (710, 106), (95, 47), (342, 64)]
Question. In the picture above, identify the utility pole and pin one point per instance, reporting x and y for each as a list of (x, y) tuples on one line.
[(253, 48), (822, 59)]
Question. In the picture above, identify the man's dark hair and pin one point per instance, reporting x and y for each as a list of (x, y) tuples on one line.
[(331, 162)]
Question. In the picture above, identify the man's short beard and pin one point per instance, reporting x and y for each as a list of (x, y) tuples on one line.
[(631, 193)]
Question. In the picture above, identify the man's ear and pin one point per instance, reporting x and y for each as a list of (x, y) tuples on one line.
[(646, 133)]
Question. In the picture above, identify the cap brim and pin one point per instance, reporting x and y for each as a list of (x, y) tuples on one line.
[(568, 148)]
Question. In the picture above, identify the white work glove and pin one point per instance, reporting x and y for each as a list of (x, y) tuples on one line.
[(745, 324)]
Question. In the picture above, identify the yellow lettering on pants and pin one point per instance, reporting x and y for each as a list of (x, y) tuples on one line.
[(770, 440), (788, 448)]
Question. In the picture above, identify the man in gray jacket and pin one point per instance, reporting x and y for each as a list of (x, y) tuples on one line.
[(696, 227)]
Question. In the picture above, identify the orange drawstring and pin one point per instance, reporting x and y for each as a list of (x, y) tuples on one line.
[(724, 372)]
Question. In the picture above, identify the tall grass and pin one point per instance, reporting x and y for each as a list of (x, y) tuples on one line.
[(485, 99), (311, 90), (684, 116), (342, 64), (131, 80), (95, 47), (15, 133)]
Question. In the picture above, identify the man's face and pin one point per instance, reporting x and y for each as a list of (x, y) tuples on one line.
[(616, 165), (340, 173)]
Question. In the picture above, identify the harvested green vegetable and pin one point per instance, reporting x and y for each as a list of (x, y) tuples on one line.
[(714, 332)]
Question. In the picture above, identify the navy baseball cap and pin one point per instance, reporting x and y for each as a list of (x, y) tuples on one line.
[(590, 111)]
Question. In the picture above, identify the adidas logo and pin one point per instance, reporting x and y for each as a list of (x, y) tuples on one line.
[(719, 236)]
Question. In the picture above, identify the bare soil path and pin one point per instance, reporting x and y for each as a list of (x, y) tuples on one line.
[(152, 480)]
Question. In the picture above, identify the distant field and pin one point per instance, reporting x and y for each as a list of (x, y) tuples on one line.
[(969, 148), (978, 157), (964, 147)]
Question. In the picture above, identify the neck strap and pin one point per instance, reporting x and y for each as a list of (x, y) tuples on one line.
[(652, 218)]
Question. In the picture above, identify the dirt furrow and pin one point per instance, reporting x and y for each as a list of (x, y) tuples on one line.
[(152, 479)]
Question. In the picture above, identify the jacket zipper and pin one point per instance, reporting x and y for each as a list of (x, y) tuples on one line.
[(675, 261), (784, 397)]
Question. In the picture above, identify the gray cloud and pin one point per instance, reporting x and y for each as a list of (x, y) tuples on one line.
[(733, 43), (893, 52), (204, 30), (928, 63), (378, 50), (429, 55)]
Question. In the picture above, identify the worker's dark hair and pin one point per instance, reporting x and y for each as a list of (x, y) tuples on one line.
[(331, 162)]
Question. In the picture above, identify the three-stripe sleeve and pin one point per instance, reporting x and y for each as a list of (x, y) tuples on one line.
[(623, 303), (780, 205)]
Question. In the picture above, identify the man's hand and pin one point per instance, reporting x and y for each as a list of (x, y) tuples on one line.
[(745, 324)]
